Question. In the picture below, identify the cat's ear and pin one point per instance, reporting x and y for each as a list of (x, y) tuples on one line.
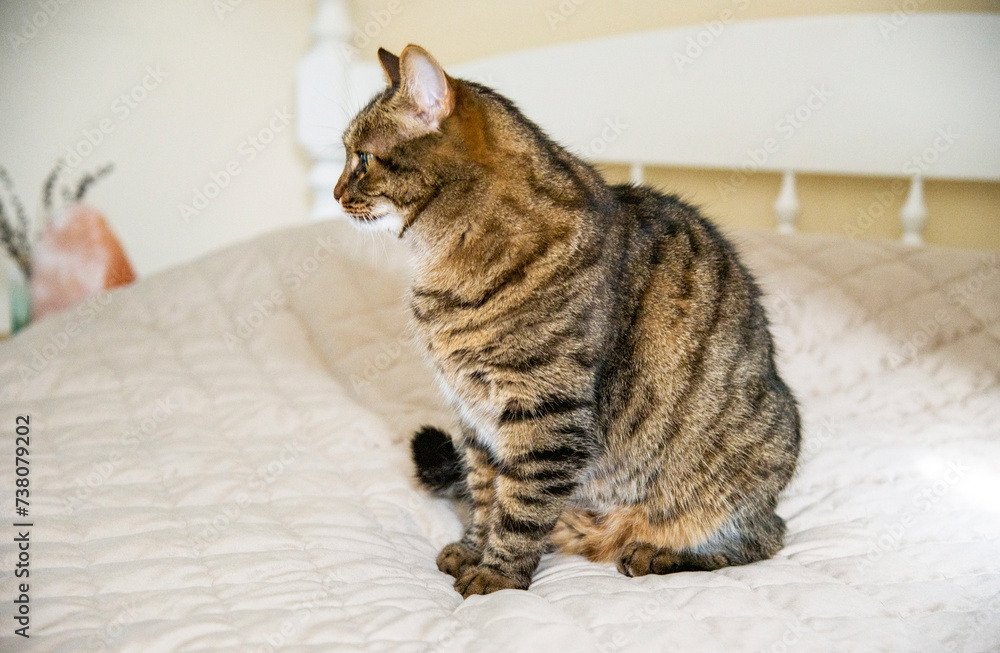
[(426, 85), (390, 64)]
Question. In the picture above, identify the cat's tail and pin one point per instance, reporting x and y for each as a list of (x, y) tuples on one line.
[(439, 467)]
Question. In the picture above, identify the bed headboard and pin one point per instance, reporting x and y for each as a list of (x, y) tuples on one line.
[(864, 94)]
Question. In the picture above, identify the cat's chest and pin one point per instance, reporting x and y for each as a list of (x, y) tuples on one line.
[(464, 383), (475, 407), (464, 386)]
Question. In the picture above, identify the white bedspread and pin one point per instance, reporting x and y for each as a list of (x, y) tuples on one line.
[(219, 463)]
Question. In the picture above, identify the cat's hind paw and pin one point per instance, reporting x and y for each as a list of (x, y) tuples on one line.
[(636, 559), (640, 558)]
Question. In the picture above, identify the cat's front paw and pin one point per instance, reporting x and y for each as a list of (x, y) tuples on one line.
[(484, 580), (455, 558)]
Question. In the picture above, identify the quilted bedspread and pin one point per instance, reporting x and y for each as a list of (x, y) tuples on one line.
[(218, 462)]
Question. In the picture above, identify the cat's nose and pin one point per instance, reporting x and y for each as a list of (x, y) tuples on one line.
[(338, 190)]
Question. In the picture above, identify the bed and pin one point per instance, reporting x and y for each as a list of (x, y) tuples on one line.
[(218, 453)]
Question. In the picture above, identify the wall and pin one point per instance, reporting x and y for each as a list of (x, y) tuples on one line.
[(218, 76), (226, 66), (459, 30), (961, 214)]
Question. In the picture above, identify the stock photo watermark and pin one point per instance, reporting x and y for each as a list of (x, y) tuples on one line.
[(247, 151), (42, 356), (30, 26), (643, 614), (277, 638), (959, 293), (890, 537), (110, 631), (917, 165), (225, 7), (962, 292), (786, 127), (562, 12), (983, 615), (293, 278), (247, 324), (129, 442), (921, 162), (791, 636), (779, 303), (697, 45), (651, 609), (264, 475), (818, 438), (873, 212), (121, 108), (364, 35), (899, 17), (613, 128), (388, 355)]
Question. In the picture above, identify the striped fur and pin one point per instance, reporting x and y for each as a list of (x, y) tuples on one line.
[(604, 349)]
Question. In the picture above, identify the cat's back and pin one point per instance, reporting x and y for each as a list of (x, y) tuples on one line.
[(691, 308), (662, 223), (677, 260), (691, 364)]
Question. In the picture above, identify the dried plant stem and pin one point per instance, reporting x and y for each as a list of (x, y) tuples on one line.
[(15, 236), (14, 245), (89, 179), (49, 187)]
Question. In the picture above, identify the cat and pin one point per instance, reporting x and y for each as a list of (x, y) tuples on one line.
[(605, 351)]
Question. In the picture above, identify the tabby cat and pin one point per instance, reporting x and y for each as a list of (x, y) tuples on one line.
[(605, 350)]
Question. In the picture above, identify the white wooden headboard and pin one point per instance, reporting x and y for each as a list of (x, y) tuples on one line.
[(863, 94)]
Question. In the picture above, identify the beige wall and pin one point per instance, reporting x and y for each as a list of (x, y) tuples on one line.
[(961, 214), (224, 74), (459, 30)]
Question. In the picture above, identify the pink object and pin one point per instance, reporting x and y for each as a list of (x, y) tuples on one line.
[(77, 256)]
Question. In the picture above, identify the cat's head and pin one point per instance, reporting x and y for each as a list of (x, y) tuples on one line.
[(402, 144)]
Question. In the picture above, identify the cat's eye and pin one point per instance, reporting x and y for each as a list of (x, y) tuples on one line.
[(364, 158)]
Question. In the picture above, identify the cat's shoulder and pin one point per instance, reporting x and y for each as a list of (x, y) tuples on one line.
[(645, 199), (645, 204)]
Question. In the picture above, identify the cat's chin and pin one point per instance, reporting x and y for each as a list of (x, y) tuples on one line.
[(390, 222)]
